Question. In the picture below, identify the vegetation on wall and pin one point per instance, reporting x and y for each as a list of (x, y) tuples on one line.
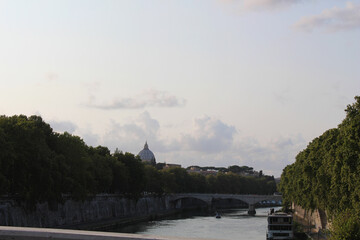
[(325, 175), (38, 164)]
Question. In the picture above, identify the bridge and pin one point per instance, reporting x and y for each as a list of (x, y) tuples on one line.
[(26, 233), (208, 198)]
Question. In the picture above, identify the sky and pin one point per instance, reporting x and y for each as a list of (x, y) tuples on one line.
[(204, 82)]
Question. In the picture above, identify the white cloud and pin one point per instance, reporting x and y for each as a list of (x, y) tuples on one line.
[(131, 136), (90, 139), (334, 19), (210, 142), (87, 135), (150, 98), (268, 4), (209, 135), (272, 156), (63, 126), (255, 5), (51, 76)]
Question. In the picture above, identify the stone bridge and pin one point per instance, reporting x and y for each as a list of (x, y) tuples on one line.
[(251, 200)]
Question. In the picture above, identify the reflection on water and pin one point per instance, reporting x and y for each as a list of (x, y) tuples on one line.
[(234, 224)]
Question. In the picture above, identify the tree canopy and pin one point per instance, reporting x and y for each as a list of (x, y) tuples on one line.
[(38, 164), (325, 175)]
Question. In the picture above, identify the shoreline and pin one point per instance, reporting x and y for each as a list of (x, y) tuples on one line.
[(109, 224)]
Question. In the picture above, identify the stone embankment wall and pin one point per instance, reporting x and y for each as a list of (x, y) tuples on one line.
[(317, 219), (22, 233), (70, 213)]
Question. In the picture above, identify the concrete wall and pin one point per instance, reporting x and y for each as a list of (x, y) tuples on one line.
[(316, 218), (19, 233), (97, 209)]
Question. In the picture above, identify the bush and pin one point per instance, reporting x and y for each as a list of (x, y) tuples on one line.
[(346, 226)]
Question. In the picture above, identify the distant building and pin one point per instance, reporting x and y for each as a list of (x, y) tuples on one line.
[(209, 172), (169, 165), (250, 173), (146, 155), (195, 169)]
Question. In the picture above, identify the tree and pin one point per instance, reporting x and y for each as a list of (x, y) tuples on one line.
[(176, 180), (38, 165), (136, 173), (325, 175), (153, 180), (346, 226)]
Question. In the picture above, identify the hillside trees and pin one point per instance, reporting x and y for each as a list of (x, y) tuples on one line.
[(135, 183), (346, 226), (38, 165), (153, 180), (325, 175), (25, 157)]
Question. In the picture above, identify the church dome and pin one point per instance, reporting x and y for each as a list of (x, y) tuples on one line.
[(146, 155)]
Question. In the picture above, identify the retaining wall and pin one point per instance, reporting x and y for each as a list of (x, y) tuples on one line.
[(316, 218), (97, 209), (20, 233)]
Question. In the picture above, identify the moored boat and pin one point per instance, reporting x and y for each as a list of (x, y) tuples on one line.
[(280, 226)]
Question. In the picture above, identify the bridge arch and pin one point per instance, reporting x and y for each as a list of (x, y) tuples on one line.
[(251, 200), (184, 201)]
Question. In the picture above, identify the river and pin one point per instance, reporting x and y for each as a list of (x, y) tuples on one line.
[(234, 224)]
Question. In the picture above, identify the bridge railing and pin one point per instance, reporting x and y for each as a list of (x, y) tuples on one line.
[(21, 233)]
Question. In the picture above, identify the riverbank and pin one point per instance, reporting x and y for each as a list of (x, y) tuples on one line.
[(99, 210), (21, 233), (109, 224), (313, 223)]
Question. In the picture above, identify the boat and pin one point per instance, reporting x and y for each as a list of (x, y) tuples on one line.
[(280, 226), (217, 215)]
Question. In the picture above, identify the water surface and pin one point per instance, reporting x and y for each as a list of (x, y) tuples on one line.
[(234, 224)]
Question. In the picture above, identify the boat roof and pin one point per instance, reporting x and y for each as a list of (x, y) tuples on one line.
[(280, 214)]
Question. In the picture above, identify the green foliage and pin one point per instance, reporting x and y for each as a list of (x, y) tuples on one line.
[(238, 169), (136, 174), (326, 174), (177, 180), (198, 183), (153, 180), (38, 165), (346, 226)]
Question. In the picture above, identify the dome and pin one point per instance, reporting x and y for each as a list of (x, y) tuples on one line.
[(146, 155)]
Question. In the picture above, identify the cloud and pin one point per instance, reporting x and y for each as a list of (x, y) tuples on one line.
[(89, 138), (209, 142), (256, 5), (150, 98), (209, 135), (131, 136), (92, 86), (268, 4), (51, 76), (332, 20), (63, 126), (283, 96), (272, 156)]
